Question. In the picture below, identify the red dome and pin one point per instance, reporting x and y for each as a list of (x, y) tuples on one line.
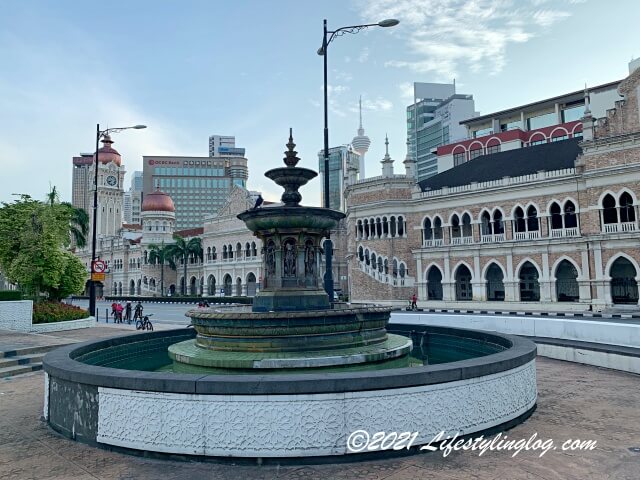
[(157, 202), (107, 153)]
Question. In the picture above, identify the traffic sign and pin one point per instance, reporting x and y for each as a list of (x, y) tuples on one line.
[(99, 266), (98, 277)]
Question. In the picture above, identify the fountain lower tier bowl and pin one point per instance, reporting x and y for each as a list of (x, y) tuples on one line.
[(293, 218), (291, 340)]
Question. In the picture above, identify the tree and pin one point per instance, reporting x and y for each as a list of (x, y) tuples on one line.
[(78, 218), (33, 239), (161, 254), (183, 250)]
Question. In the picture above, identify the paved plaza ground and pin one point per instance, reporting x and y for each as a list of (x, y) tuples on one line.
[(575, 402)]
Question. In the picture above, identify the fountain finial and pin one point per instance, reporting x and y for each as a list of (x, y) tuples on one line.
[(290, 159)]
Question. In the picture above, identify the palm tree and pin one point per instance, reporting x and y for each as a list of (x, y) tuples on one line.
[(161, 254), (78, 218), (183, 250)]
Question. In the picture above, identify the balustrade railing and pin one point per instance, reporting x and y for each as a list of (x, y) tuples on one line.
[(492, 238)]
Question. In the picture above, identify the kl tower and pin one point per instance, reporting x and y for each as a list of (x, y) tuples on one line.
[(361, 144)]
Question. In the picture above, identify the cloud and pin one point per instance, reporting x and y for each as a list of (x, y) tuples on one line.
[(406, 91), (61, 111), (364, 55), (445, 35)]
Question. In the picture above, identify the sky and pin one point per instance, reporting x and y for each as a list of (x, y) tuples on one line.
[(189, 69)]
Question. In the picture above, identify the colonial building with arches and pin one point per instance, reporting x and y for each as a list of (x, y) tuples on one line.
[(551, 225)]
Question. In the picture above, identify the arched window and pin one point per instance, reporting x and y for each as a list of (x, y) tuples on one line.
[(367, 259), (567, 289), (247, 250), (395, 268), (485, 223), (609, 211), (570, 219), (251, 284), (229, 251), (378, 227), (495, 285), (366, 228), (456, 231), (224, 252), (254, 249), (438, 234), (386, 265), (373, 260), (208, 254), (380, 265), (533, 224), (463, 283), (519, 223), (498, 225), (624, 287), (467, 231), (392, 227), (359, 230), (360, 253), (556, 216), (400, 226), (385, 226), (434, 284), (529, 285), (627, 212), (427, 231), (214, 255)]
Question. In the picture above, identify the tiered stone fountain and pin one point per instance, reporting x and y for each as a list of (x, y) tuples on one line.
[(292, 324)]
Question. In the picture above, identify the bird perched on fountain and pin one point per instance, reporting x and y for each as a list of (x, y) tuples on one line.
[(259, 201)]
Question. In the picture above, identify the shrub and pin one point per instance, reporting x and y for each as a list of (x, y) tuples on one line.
[(48, 312), (8, 295)]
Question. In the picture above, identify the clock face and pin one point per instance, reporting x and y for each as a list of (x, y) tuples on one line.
[(111, 180)]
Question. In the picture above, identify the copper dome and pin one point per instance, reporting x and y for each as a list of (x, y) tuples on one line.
[(107, 153), (157, 202)]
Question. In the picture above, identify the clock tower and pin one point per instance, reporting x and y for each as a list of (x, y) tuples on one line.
[(110, 190)]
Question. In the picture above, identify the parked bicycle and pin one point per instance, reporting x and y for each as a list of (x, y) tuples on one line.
[(145, 324)]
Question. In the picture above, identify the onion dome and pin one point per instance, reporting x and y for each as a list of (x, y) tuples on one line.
[(107, 153), (157, 202)]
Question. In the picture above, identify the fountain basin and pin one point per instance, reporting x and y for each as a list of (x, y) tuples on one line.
[(487, 382)]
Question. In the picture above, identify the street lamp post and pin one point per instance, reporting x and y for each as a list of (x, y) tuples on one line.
[(353, 29), (99, 135)]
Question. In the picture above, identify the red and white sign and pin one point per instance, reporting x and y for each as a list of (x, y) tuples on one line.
[(99, 266)]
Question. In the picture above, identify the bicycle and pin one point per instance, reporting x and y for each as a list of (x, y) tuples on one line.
[(145, 324)]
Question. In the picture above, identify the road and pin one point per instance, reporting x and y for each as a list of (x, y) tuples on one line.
[(162, 313)]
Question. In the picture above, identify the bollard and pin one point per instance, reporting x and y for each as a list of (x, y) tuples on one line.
[(106, 315)]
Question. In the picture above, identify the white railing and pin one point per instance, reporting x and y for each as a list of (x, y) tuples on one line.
[(532, 235), (492, 238), (564, 232), (433, 242), (461, 240), (620, 227), (502, 182), (386, 278)]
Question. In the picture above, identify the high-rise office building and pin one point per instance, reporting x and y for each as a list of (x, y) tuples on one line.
[(433, 120), (135, 198), (82, 182), (342, 159), (224, 146), (197, 185)]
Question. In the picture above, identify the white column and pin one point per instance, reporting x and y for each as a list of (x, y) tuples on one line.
[(584, 281), (545, 280), (510, 285)]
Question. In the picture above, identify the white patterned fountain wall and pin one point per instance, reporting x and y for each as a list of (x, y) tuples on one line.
[(311, 424)]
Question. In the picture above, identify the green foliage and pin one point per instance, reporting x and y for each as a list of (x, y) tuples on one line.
[(48, 312), (161, 254), (9, 295), (183, 250), (34, 237)]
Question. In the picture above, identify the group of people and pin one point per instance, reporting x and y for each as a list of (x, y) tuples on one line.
[(203, 304), (117, 311)]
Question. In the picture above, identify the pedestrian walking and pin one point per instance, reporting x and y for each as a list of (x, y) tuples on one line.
[(414, 304)]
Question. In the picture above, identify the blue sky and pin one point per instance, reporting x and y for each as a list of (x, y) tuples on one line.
[(249, 68)]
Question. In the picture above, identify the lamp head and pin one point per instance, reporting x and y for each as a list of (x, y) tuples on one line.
[(389, 22), (139, 127), (321, 51)]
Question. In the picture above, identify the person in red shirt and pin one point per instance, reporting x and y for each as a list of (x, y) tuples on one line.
[(414, 304), (119, 312)]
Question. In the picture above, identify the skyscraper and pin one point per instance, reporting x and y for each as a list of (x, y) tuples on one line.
[(197, 185), (224, 146), (433, 120), (340, 159), (361, 144)]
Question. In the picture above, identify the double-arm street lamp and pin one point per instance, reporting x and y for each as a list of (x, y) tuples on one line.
[(100, 134), (328, 36)]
